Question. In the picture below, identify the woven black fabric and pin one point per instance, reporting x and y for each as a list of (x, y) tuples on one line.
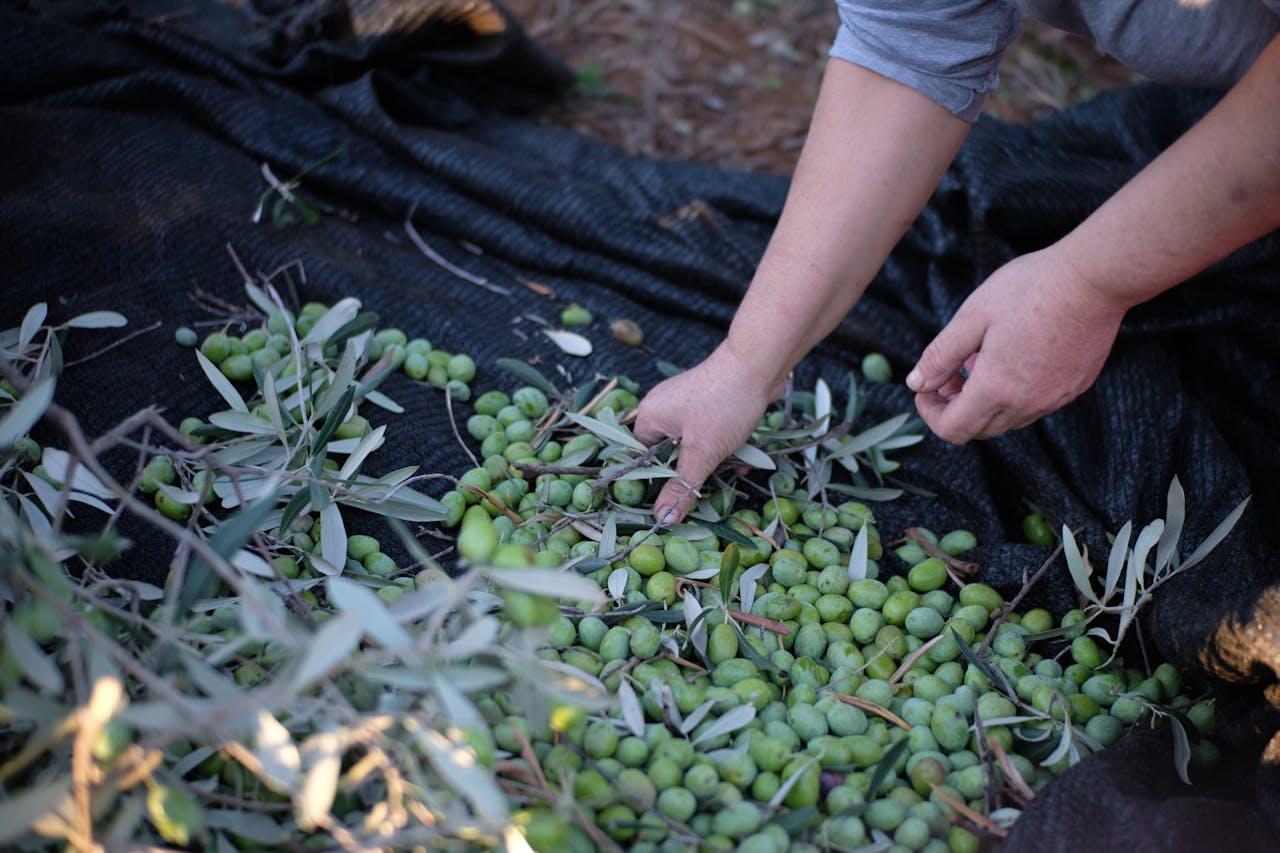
[(131, 157)]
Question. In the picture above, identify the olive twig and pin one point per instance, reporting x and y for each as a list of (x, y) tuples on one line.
[(635, 464), (536, 470), (1008, 606), (878, 710), (119, 341), (978, 820), (453, 422), (962, 567)]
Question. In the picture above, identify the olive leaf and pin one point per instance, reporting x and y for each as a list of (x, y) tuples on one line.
[(632, 713), (1116, 560), (24, 414), (322, 753), (866, 493), (727, 723), (1213, 539), (1063, 748), (858, 559), (350, 597), (693, 617), (821, 408), (1077, 564), (871, 437), (608, 432), (570, 343), (728, 568), (727, 533), (333, 540), (977, 660), (749, 652), (528, 374), (785, 788), (852, 406), (552, 583), (1181, 749), (31, 323), (755, 457), (697, 715), (96, 320), (251, 826), (222, 384), (275, 749), (369, 443), (747, 585), (26, 808), (885, 766), (1174, 516), (228, 537), (340, 314), (35, 665)]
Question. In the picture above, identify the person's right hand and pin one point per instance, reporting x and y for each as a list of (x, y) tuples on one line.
[(711, 411)]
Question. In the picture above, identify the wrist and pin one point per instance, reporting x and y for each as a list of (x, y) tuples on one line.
[(1095, 287), (754, 366)]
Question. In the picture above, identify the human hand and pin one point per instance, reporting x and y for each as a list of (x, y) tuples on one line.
[(711, 410), (1031, 338)]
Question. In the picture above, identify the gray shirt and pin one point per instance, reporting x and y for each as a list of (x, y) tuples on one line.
[(949, 49)]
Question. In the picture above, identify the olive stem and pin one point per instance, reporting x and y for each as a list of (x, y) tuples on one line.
[(868, 705), (985, 823), (1008, 607), (557, 470), (760, 622), (591, 404), (963, 567), (91, 356), (910, 660), (1016, 782), (453, 422)]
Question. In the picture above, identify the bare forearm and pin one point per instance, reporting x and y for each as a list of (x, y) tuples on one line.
[(1216, 189), (875, 152)]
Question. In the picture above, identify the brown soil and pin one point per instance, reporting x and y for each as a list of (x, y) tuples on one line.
[(732, 83)]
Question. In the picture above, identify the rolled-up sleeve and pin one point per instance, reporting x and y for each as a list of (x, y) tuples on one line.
[(947, 50)]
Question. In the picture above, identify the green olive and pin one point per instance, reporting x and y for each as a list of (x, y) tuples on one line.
[(575, 315), (647, 559), (1037, 530), (238, 368), (875, 367), (491, 402), (928, 574), (462, 368)]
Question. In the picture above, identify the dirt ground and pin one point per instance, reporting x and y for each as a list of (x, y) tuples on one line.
[(731, 82)]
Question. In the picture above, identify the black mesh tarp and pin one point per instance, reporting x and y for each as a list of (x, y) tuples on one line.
[(131, 155)]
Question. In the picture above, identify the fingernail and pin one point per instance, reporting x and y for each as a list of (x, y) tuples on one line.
[(667, 515), (914, 379)]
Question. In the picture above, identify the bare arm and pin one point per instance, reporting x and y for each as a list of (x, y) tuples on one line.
[(1214, 190), (875, 152), (1035, 335)]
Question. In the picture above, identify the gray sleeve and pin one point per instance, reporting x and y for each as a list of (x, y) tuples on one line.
[(945, 49)]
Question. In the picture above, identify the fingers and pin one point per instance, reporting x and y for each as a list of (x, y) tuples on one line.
[(1007, 421), (651, 427), (680, 494), (962, 417), (951, 387), (953, 346)]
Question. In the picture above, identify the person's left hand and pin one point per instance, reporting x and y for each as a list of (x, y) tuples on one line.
[(1031, 339)]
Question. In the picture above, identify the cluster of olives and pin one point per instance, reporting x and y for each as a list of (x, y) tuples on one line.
[(838, 671), (267, 347), (843, 639)]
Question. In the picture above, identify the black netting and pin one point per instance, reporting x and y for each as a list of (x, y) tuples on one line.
[(130, 159)]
